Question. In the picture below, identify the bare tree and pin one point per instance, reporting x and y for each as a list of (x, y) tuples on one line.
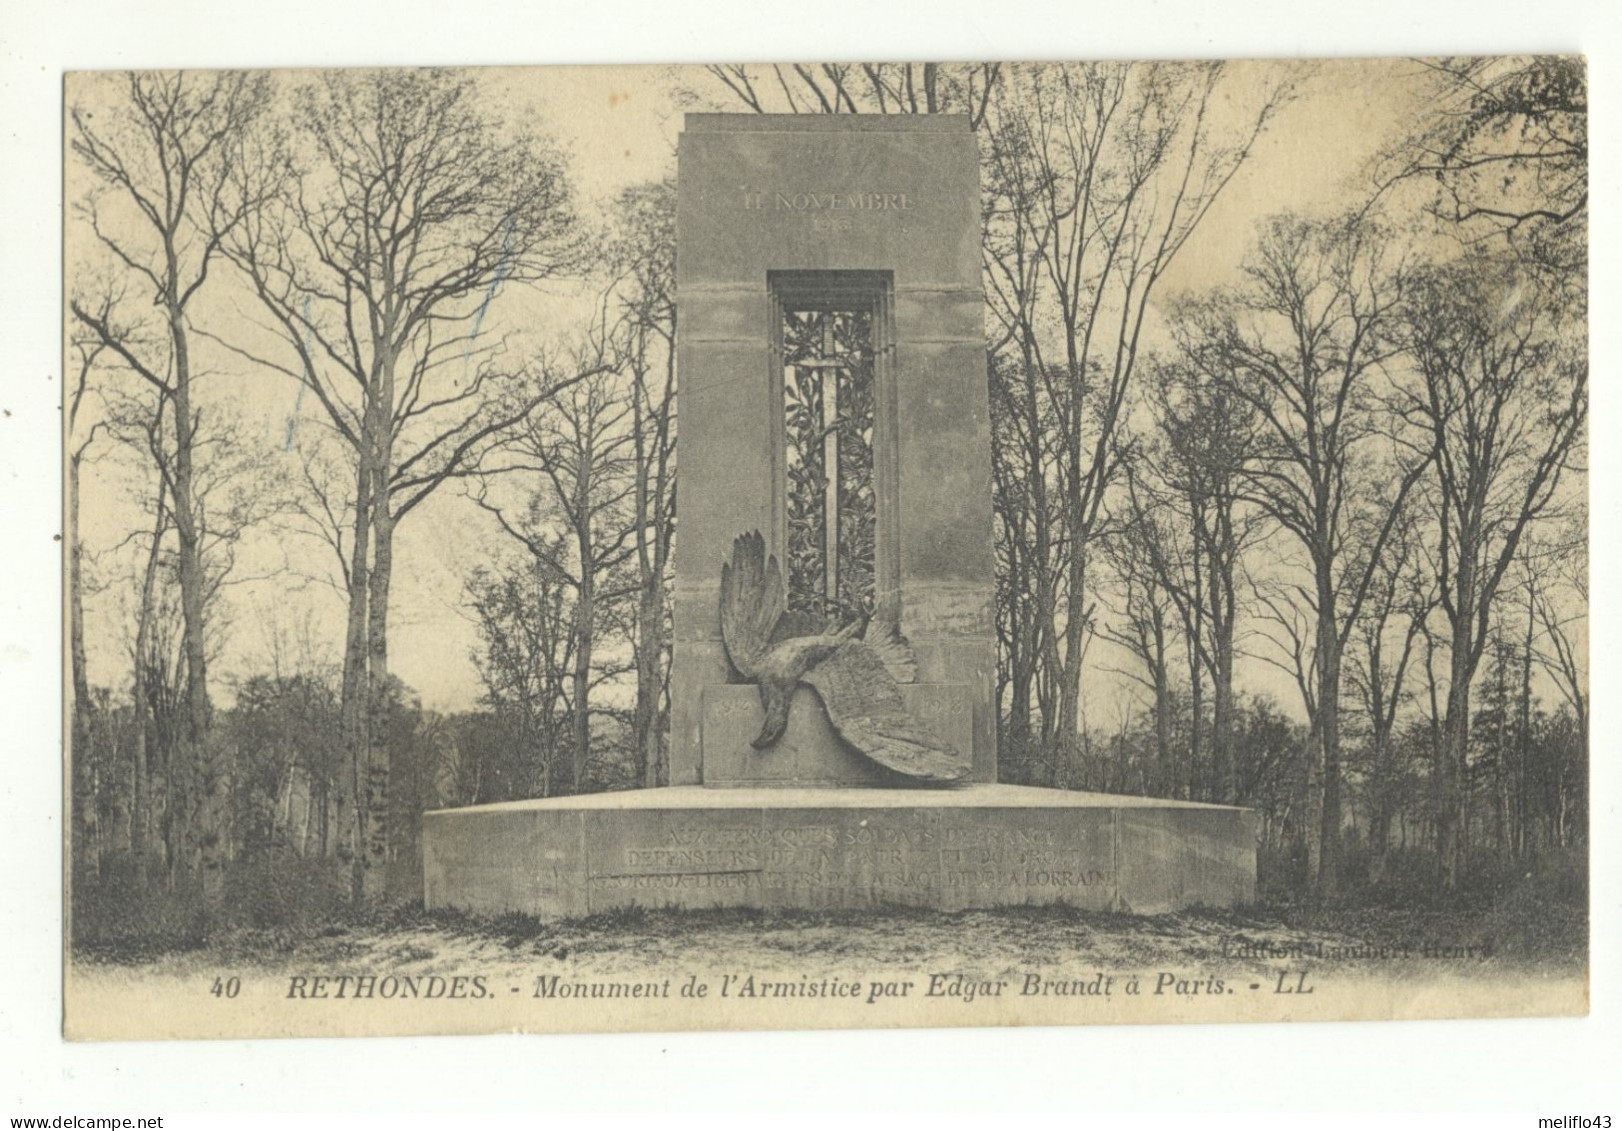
[(1192, 469), (1030, 552), (1399, 602), (1557, 615), (1306, 344), (1558, 594), (1096, 176), (644, 252), (234, 490), (81, 434), (1502, 399), (406, 210), (160, 778), (161, 158), (1145, 622), (582, 446)]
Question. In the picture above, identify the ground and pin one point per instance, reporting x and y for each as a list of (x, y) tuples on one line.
[(417, 972), (1389, 941)]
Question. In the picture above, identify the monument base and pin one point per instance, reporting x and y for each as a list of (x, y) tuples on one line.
[(979, 846)]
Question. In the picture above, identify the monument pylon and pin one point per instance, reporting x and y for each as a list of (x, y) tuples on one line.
[(833, 724)]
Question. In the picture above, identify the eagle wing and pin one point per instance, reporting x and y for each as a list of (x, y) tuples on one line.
[(751, 603), (864, 705)]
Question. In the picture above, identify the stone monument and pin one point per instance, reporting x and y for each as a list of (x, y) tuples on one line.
[(833, 731)]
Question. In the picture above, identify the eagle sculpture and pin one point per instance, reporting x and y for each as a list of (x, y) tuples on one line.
[(856, 678)]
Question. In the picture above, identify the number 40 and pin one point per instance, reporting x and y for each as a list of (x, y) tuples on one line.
[(226, 987)]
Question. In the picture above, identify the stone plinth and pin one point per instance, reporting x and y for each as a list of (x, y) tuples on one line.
[(952, 849), (810, 753)]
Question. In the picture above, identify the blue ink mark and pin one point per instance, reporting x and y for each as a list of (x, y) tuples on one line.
[(298, 402), (503, 267)]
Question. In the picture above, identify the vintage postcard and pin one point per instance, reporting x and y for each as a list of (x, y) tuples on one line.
[(836, 545)]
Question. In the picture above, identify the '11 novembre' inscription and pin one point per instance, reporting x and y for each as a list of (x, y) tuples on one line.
[(763, 201)]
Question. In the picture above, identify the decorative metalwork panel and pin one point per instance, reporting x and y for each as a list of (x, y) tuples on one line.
[(828, 362)]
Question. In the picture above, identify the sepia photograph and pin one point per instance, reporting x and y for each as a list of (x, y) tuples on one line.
[(835, 545)]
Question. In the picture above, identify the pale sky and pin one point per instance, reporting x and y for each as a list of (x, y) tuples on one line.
[(620, 124)]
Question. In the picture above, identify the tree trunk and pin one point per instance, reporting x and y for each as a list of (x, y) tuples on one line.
[(1311, 805), (84, 807), (650, 650), (1455, 748), (652, 548), (375, 873), (1380, 807), (1523, 736), (581, 679), (1328, 658), (309, 817), (76, 651), (1188, 783), (549, 753), (1034, 609), (205, 780), (1067, 735), (141, 821), (1021, 670), (354, 716), (1222, 554), (1500, 767), (1450, 803), (1222, 760), (1164, 771)]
